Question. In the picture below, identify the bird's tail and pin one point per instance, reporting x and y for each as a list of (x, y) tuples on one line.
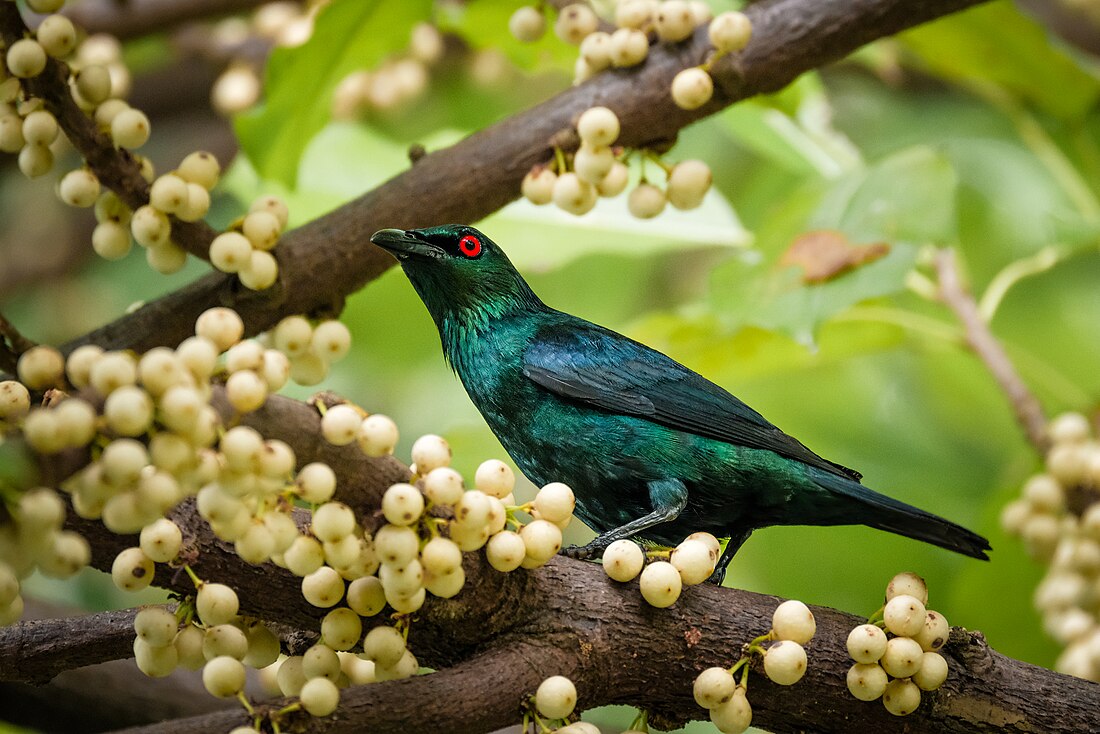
[(867, 507)]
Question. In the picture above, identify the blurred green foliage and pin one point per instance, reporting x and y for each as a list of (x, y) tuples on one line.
[(975, 132)]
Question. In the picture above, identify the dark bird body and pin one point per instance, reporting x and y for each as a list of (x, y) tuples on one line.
[(649, 447)]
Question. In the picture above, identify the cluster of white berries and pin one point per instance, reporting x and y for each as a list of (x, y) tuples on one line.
[(1058, 519), (183, 193), (155, 440), (33, 539), (718, 690), (245, 249), (283, 23), (395, 82), (670, 21), (418, 550), (899, 666), (661, 581), (728, 33), (598, 170), (98, 80)]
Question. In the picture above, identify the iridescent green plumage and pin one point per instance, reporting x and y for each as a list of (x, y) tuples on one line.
[(649, 447)]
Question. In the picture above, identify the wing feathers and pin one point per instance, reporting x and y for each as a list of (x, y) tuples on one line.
[(593, 366)]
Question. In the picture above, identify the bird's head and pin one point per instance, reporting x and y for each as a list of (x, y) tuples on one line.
[(458, 271)]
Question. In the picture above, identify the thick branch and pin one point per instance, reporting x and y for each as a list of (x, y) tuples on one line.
[(330, 257), (1029, 413), (618, 650), (36, 650)]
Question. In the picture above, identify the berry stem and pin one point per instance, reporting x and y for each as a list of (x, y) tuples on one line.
[(245, 702), (559, 160), (194, 577)]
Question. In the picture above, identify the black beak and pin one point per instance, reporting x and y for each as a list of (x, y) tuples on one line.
[(402, 244)]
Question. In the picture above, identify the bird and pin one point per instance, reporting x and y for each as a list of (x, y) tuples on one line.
[(652, 450)]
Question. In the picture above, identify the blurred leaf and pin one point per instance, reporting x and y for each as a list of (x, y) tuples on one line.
[(793, 128), (299, 82), (759, 295), (995, 43), (1008, 204), (907, 196)]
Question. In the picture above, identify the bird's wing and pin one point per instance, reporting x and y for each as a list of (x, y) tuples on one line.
[(598, 367)]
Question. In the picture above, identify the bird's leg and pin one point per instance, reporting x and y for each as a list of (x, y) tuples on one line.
[(734, 544), (669, 498)]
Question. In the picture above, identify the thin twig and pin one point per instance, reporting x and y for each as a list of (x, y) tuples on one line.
[(12, 344), (954, 294)]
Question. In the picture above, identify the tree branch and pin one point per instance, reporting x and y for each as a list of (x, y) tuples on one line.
[(326, 259), (135, 18), (1029, 413), (35, 651), (572, 620)]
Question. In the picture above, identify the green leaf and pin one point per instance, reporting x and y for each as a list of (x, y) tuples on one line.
[(756, 294), (908, 196), (347, 35), (996, 44)]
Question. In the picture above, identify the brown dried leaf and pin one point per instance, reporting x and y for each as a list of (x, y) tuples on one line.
[(825, 254)]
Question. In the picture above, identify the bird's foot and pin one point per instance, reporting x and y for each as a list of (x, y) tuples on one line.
[(589, 552), (718, 576)]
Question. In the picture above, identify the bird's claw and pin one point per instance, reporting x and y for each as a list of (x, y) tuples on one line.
[(582, 552)]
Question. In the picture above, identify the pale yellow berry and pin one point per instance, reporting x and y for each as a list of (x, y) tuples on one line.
[(660, 584), (866, 644), (629, 47), (902, 657), (505, 551), (573, 194), (623, 560), (556, 697), (735, 715), (730, 31), (901, 697), (79, 188), (867, 681), (908, 583), (932, 673), (785, 662), (793, 620), (713, 687), (538, 185), (26, 58), (200, 167), (904, 615), (646, 201), (692, 88), (527, 24), (575, 22), (130, 128), (674, 20)]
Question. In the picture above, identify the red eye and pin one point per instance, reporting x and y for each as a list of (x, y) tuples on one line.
[(470, 246)]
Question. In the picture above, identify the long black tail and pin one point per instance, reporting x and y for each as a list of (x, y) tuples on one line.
[(885, 513)]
